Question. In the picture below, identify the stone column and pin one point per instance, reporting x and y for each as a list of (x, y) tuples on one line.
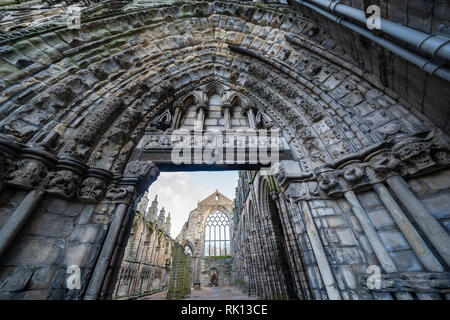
[(227, 116), (419, 246), (383, 257), (96, 281), (137, 176), (250, 116), (19, 218), (437, 235), (176, 118), (199, 122), (319, 252)]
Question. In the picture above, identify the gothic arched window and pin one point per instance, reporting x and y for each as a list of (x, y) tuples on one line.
[(188, 250), (217, 234)]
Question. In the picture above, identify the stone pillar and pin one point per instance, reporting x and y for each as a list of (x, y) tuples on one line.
[(419, 246), (227, 116), (319, 252), (199, 122), (19, 218), (251, 116), (176, 118), (437, 235), (137, 176), (383, 257)]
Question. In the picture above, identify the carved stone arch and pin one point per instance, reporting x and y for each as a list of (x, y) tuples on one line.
[(211, 88), (194, 251), (165, 117), (190, 98), (265, 121)]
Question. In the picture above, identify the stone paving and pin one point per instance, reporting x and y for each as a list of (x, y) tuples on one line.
[(221, 293)]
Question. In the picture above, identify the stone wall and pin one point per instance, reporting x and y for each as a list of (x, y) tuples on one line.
[(180, 274), (331, 232), (192, 236), (145, 265), (223, 265)]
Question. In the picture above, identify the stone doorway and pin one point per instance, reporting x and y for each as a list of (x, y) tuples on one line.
[(214, 277)]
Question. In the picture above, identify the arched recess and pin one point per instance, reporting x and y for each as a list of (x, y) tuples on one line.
[(277, 261), (76, 106)]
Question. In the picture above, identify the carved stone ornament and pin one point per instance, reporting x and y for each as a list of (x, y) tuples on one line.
[(62, 183), (423, 282), (381, 165), (120, 194), (328, 181), (140, 169), (355, 174), (414, 154), (140, 174), (92, 189), (5, 162), (26, 173)]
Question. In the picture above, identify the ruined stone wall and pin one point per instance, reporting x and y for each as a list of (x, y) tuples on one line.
[(180, 274), (330, 231), (144, 269), (223, 267), (193, 235)]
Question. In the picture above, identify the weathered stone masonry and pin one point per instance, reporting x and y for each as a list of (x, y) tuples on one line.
[(145, 267), (193, 237), (367, 179)]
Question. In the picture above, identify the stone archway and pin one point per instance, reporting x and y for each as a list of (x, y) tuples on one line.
[(73, 144)]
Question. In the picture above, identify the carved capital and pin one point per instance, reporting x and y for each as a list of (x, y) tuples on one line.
[(62, 183), (92, 189), (66, 178), (328, 181), (26, 174), (381, 165), (354, 174), (140, 173), (120, 194), (304, 191)]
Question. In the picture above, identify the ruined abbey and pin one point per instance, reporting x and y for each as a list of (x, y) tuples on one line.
[(335, 113)]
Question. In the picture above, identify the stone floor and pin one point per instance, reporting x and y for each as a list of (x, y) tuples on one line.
[(221, 293)]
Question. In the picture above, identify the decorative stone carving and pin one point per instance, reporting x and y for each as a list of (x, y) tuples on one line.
[(414, 154), (327, 179), (354, 174), (140, 169), (381, 165), (119, 194), (419, 153), (423, 282), (63, 183), (92, 189), (5, 162), (140, 174), (26, 173)]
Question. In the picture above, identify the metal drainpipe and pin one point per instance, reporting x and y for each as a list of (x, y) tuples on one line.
[(433, 44), (424, 64)]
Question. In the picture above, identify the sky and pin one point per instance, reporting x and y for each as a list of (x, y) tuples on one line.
[(179, 192)]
